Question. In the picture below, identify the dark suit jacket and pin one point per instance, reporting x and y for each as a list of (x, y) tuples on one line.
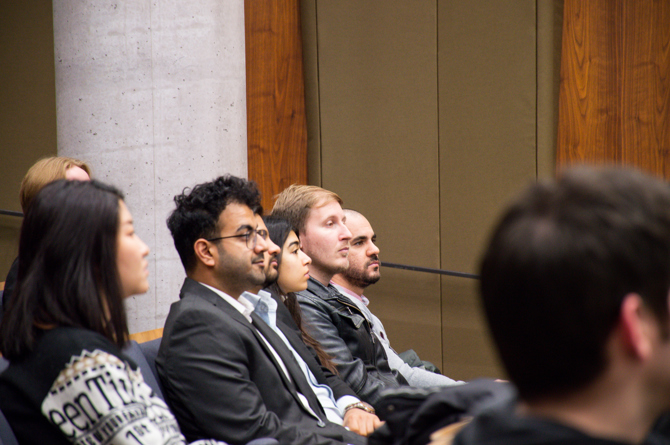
[(290, 329), (222, 382)]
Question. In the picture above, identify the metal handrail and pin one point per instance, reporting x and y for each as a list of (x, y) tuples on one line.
[(11, 213), (430, 270)]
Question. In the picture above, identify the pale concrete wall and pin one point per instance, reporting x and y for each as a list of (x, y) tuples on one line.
[(152, 95)]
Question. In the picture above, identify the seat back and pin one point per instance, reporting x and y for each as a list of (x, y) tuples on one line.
[(7, 436), (147, 364), (150, 351), (2, 305)]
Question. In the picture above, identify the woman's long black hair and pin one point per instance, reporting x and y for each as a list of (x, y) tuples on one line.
[(279, 230), (67, 272)]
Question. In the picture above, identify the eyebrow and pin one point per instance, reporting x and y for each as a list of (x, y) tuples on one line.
[(245, 226), (297, 243), (359, 238)]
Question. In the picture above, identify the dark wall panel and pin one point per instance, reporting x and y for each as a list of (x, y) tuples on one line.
[(424, 116), (27, 106), (487, 109), (378, 125)]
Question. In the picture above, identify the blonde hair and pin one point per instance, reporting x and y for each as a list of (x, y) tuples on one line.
[(44, 171), (295, 202)]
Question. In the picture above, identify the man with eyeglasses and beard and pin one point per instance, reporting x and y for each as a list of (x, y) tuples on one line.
[(227, 374)]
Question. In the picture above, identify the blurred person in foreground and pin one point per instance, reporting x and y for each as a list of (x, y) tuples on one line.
[(574, 284)]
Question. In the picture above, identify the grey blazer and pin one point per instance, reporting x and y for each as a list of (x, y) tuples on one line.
[(222, 381)]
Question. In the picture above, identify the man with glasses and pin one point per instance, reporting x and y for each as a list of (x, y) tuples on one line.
[(226, 373)]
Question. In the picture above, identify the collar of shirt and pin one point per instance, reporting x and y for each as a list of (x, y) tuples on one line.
[(263, 303), (346, 292), (241, 304)]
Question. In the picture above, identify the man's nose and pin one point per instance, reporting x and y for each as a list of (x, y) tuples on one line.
[(345, 234), (261, 244), (273, 249)]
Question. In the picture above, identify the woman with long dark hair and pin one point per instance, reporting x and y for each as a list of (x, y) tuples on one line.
[(68, 381), (293, 274)]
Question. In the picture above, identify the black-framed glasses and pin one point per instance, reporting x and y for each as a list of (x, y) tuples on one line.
[(251, 237)]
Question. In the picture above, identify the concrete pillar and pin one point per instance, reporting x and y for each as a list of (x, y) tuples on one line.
[(152, 95)]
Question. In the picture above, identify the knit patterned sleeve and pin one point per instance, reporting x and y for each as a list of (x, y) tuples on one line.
[(98, 399)]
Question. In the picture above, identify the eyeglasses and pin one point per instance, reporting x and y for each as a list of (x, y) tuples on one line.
[(251, 237)]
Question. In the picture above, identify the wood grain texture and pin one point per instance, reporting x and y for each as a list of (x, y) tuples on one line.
[(276, 123), (142, 337), (614, 96)]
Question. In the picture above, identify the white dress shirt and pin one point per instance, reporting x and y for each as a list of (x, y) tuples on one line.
[(263, 304)]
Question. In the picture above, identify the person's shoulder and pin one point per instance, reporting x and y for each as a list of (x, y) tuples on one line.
[(307, 298), (56, 349), (67, 340), (60, 345)]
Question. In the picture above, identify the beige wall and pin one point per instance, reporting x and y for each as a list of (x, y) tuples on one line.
[(427, 116), (27, 106)]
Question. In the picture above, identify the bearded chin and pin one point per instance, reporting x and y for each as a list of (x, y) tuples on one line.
[(360, 279)]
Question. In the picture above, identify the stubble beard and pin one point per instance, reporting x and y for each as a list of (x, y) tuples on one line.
[(361, 277)]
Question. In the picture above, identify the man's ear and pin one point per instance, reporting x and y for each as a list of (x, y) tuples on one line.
[(203, 251), (635, 329)]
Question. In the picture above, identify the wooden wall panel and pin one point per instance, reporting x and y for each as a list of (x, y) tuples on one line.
[(276, 125), (614, 95), (645, 85)]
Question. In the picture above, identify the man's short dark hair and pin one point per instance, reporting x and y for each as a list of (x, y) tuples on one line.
[(198, 210), (559, 265)]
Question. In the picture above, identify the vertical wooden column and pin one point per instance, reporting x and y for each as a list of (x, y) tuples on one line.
[(614, 102), (276, 123)]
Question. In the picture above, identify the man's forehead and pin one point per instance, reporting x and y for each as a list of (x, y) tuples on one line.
[(235, 215), (358, 225), (334, 208), (259, 220)]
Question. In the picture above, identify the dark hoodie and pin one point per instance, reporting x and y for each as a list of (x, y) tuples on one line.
[(503, 427)]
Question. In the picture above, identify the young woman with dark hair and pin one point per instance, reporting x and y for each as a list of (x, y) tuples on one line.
[(293, 275), (68, 381)]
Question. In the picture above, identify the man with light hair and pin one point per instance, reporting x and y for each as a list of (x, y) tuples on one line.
[(339, 325), (43, 172), (363, 271)]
